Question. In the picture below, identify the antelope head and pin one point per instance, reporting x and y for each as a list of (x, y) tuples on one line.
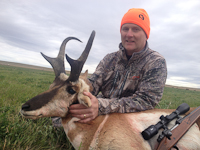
[(65, 90)]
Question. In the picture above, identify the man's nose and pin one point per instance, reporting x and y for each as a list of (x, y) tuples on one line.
[(130, 33)]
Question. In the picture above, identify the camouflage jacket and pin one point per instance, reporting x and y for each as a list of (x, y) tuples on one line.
[(123, 85)]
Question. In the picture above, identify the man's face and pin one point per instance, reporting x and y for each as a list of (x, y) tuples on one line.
[(133, 38)]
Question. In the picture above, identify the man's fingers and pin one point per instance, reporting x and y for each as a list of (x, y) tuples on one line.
[(79, 111), (82, 116), (85, 120), (88, 94), (84, 113), (77, 106)]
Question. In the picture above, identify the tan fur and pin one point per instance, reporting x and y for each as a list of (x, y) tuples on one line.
[(123, 131), (85, 87), (88, 130), (63, 77)]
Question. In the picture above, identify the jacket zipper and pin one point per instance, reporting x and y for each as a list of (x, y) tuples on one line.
[(114, 82), (122, 86)]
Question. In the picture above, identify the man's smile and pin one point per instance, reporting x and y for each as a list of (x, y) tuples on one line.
[(130, 41)]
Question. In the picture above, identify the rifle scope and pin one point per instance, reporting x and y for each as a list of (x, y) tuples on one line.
[(153, 129)]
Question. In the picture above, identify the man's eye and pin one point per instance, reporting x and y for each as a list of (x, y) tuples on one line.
[(125, 29), (135, 29)]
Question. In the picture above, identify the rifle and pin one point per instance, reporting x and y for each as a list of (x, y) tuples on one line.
[(181, 127), (153, 129)]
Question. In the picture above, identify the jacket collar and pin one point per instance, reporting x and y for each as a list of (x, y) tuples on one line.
[(136, 55)]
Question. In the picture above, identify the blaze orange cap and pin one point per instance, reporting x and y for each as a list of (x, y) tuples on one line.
[(139, 17)]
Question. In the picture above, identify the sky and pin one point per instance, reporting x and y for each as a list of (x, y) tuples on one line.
[(28, 27)]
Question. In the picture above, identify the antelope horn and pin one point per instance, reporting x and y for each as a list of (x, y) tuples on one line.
[(77, 65), (58, 62)]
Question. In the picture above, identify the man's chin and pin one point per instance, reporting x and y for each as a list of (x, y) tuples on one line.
[(130, 49)]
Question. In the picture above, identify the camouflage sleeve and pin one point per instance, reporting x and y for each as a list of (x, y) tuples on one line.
[(97, 78), (147, 96)]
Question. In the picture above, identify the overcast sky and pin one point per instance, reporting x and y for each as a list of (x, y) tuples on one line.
[(28, 27)]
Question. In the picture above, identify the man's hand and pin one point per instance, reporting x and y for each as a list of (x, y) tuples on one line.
[(86, 114)]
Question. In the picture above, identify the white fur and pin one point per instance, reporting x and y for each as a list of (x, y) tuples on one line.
[(85, 100), (53, 108), (63, 77), (77, 141), (72, 126)]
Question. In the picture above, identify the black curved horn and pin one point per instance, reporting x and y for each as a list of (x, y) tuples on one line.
[(77, 65), (58, 62)]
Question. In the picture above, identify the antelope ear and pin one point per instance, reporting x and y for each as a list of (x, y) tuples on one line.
[(85, 100), (85, 75)]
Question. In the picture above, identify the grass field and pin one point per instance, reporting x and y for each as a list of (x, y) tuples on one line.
[(17, 85)]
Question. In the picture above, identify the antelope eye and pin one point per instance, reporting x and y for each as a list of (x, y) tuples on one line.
[(70, 90)]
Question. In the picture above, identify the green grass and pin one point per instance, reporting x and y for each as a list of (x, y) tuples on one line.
[(173, 97), (17, 85)]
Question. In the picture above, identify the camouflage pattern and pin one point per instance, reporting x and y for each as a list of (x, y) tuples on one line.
[(133, 85)]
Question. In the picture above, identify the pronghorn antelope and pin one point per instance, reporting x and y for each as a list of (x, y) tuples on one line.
[(112, 131)]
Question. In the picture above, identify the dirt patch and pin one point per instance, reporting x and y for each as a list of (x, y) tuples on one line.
[(184, 88), (26, 66)]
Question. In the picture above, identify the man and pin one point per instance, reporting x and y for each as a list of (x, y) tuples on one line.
[(129, 80)]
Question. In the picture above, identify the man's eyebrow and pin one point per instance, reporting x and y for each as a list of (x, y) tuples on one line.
[(136, 27)]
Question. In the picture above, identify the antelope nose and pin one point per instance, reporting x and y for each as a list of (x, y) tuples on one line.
[(25, 106)]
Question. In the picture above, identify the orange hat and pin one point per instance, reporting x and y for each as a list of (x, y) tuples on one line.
[(139, 17)]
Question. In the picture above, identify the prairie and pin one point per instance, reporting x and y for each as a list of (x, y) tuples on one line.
[(18, 84)]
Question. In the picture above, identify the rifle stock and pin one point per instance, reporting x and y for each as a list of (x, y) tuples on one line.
[(180, 130)]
